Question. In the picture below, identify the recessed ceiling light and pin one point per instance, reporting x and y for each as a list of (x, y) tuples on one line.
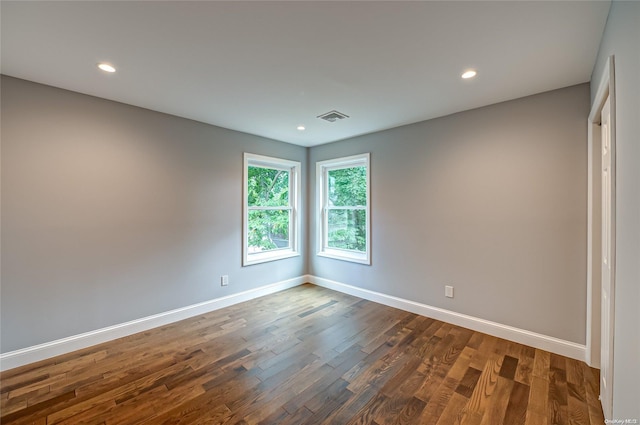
[(301, 127), (469, 74), (106, 67)]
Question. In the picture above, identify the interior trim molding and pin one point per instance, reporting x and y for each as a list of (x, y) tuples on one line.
[(533, 339), (47, 350), (606, 88), (50, 349)]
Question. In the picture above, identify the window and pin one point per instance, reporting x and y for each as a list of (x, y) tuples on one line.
[(344, 230), (271, 205)]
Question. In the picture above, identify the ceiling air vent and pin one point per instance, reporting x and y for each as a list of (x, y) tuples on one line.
[(333, 116)]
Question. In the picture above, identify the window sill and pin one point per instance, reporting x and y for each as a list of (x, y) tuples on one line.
[(269, 256), (353, 257)]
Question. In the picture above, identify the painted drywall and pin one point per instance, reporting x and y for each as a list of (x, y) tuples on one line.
[(491, 201), (112, 213), (622, 39)]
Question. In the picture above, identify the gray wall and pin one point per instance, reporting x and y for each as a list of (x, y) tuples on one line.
[(491, 201), (111, 213), (622, 39)]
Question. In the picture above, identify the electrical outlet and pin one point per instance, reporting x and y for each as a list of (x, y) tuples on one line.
[(224, 280), (448, 291)]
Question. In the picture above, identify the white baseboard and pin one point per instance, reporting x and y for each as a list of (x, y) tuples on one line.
[(47, 350), (536, 340)]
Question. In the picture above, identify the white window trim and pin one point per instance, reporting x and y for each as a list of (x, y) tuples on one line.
[(322, 167), (294, 201)]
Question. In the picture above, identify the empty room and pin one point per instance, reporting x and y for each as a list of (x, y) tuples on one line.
[(320, 212)]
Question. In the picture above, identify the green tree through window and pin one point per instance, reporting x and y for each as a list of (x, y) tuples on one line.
[(268, 227), (347, 187)]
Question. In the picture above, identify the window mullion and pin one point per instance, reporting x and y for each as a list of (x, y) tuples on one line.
[(343, 207), (265, 208)]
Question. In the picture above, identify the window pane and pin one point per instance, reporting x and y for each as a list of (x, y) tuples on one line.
[(268, 230), (347, 229), (348, 187), (267, 187)]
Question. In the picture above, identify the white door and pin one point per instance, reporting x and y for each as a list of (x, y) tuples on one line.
[(606, 350)]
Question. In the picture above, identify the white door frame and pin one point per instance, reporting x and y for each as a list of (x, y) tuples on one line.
[(606, 89)]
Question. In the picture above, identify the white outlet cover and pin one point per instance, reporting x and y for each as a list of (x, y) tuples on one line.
[(448, 291)]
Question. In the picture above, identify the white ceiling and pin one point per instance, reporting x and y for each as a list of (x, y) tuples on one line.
[(266, 67)]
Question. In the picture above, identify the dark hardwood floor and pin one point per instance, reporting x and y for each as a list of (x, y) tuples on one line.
[(307, 355)]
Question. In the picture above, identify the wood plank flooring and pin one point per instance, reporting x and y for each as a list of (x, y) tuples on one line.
[(307, 355)]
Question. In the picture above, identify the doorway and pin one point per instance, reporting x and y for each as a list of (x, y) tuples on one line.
[(601, 236)]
